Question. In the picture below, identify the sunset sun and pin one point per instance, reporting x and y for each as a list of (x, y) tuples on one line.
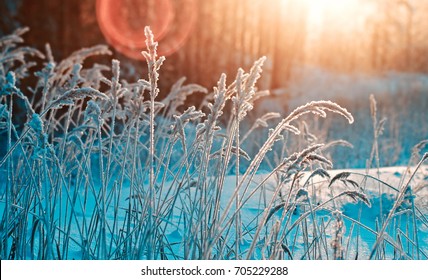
[(322, 10)]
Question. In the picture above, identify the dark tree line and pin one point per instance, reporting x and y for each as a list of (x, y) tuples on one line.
[(228, 34)]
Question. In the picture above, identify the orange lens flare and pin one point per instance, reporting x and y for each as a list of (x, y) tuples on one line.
[(122, 23)]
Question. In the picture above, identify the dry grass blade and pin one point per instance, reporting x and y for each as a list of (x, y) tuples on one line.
[(318, 172), (341, 177), (318, 158), (14, 38), (356, 196), (294, 162), (70, 96), (319, 108)]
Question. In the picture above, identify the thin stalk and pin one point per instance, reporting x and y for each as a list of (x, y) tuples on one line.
[(103, 196), (9, 180), (397, 202), (47, 206)]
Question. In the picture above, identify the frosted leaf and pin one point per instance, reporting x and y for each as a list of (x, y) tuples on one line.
[(190, 114), (14, 38), (356, 196), (344, 178), (319, 172), (151, 44), (70, 96), (341, 176), (233, 150), (10, 78), (260, 94), (244, 87), (319, 107), (179, 93), (49, 55), (292, 129), (47, 70), (216, 109), (144, 83), (200, 128), (319, 158), (262, 121), (339, 142), (296, 161), (302, 193), (93, 113), (75, 75), (36, 124), (106, 81), (153, 63), (181, 120), (255, 72), (159, 62), (318, 111), (79, 56), (416, 150), (270, 115), (8, 87), (157, 105)]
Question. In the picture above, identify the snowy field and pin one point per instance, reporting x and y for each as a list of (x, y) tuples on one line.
[(360, 220)]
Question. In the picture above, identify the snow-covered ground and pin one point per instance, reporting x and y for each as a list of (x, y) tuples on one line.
[(369, 217), (311, 83)]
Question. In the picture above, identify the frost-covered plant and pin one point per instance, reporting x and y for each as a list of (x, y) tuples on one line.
[(101, 169)]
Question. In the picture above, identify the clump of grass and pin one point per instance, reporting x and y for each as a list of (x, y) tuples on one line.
[(101, 169)]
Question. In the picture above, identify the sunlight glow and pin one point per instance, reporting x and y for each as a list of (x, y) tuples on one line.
[(320, 11)]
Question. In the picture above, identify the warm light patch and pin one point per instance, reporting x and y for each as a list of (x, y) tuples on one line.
[(332, 11), (122, 23)]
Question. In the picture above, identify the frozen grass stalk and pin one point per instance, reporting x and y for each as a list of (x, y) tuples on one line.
[(153, 64)]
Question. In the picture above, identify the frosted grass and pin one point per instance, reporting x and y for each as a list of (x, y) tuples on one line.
[(101, 168)]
